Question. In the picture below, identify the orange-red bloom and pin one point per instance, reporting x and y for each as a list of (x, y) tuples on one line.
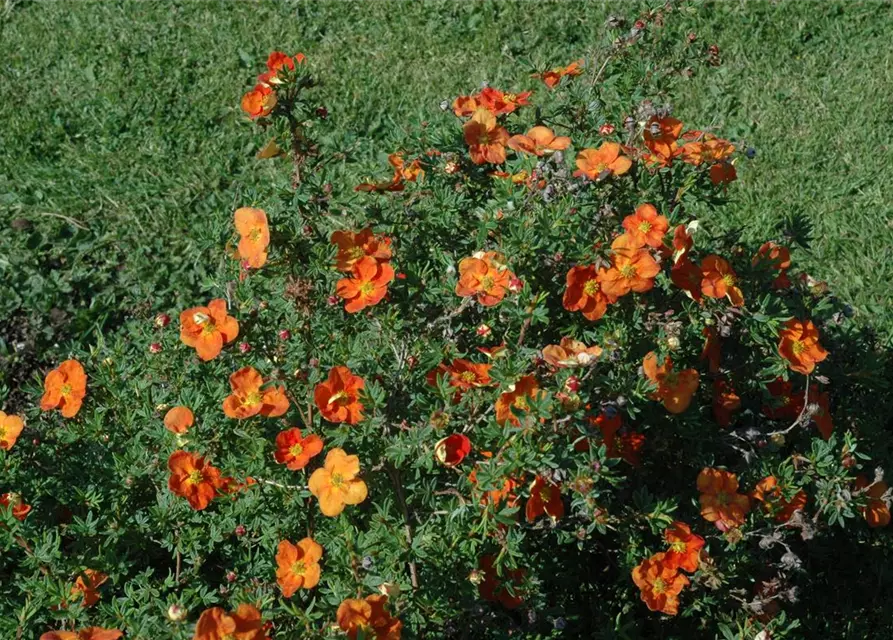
[(682, 241), (193, 478), (769, 494), (14, 502), (367, 285), (506, 493), (539, 141), (721, 503), (297, 565), (720, 280), (877, 511), (661, 135), (179, 419), (254, 236), (500, 103), (465, 106), (685, 547), (452, 450), (368, 619), (632, 268), (65, 388), (646, 226), (545, 498), (584, 291), (277, 60), (515, 399), (10, 428), (775, 257), (353, 247), (660, 584), (486, 140), (87, 633), (295, 451), (259, 102), (687, 275), (674, 389), (87, 585), (462, 374), (248, 399), (338, 398), (800, 346), (822, 415), (607, 160), (570, 353), (725, 402), (244, 623), (336, 484), (485, 276), (552, 77), (712, 351), (785, 405), (506, 589), (207, 329)]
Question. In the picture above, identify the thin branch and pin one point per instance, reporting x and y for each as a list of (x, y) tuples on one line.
[(407, 527), (799, 420)]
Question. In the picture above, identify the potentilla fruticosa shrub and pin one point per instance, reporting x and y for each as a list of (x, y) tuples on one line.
[(513, 385)]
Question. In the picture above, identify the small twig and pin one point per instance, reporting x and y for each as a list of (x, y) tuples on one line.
[(452, 314), (407, 527), (68, 219), (799, 419), (277, 484)]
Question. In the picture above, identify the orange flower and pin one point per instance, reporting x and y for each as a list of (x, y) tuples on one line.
[(277, 60), (248, 399), (506, 589), (353, 247), (785, 404), (774, 257), (452, 450), (603, 162), (633, 268), (367, 285), (674, 389), (545, 498), (463, 375), (193, 478), (539, 141), (769, 494), (800, 346), (259, 102), (410, 172), (506, 493), (87, 633), (516, 399), (877, 511), (65, 388), (725, 402), (686, 275), (486, 140), (660, 584), (294, 451), (10, 428), (179, 419), (723, 173), (254, 233), (661, 135), (685, 547), (584, 291), (721, 503), (646, 226), (338, 398), (500, 103), (552, 77), (87, 584), (719, 280), (244, 623), (485, 276), (465, 106), (207, 329), (571, 353), (368, 619), (336, 483), (822, 415), (14, 502), (682, 241), (297, 566)]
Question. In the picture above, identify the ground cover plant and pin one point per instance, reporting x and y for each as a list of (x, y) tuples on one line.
[(514, 382)]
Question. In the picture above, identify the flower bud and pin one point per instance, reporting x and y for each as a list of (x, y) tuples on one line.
[(239, 530), (606, 129), (389, 589), (162, 320), (483, 330), (244, 347), (155, 347), (572, 384), (285, 334), (231, 576), (476, 577), (176, 613)]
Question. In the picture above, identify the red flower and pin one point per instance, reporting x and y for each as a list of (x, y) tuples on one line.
[(248, 399), (660, 584), (338, 398), (584, 291), (719, 280), (545, 498), (799, 345), (294, 451), (685, 547), (506, 588), (499, 103), (721, 503), (725, 402), (14, 502), (450, 451), (646, 226)]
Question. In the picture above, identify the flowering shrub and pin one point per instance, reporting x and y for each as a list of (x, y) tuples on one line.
[(517, 388)]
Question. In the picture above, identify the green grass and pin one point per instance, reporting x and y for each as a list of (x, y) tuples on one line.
[(124, 118)]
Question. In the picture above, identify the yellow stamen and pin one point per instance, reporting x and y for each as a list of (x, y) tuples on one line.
[(591, 287)]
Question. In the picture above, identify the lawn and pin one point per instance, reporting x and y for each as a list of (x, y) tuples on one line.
[(125, 151)]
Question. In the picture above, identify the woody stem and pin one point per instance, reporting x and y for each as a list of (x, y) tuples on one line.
[(407, 527)]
